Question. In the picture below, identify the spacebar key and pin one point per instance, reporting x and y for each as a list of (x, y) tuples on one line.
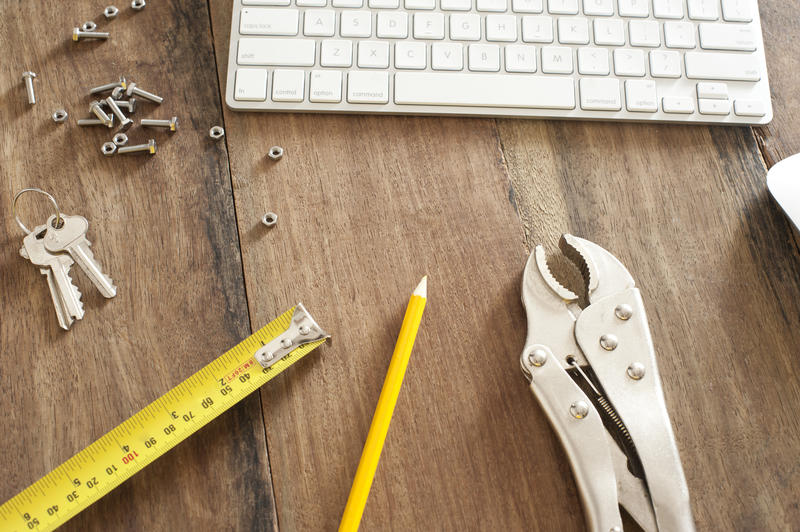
[(483, 90)]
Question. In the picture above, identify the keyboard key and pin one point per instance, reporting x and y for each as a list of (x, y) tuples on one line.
[(483, 90), (251, 84), (703, 9), (465, 27), (373, 54), (679, 34), (288, 85), (356, 24), (749, 108), (634, 8), (258, 21), (644, 33), (501, 28), (384, 4), (537, 29), (557, 60), (326, 86), (640, 96), (714, 91), (598, 94), (714, 107), (668, 8), (727, 37), (527, 6), (562, 7), (392, 25), (447, 56), (456, 5), (609, 32), (629, 63), (347, 3), (665, 64), (276, 52), (336, 53), (677, 105), (573, 30), (410, 55), (737, 10), (593, 61), (311, 3), (420, 4), (319, 23), (368, 87), (265, 2), (520, 58), (723, 67), (492, 5), (428, 26), (484, 57), (603, 8)]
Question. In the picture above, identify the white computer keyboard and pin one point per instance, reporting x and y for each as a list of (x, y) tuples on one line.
[(653, 60)]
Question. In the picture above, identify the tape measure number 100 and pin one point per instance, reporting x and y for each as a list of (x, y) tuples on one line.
[(127, 449)]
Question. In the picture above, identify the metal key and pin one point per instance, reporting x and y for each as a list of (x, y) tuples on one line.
[(71, 237), (65, 295)]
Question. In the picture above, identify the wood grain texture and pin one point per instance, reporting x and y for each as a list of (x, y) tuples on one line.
[(163, 227)]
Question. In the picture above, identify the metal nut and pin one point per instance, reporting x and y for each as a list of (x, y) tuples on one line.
[(111, 12), (108, 149), (60, 116), (275, 153), (216, 132), (120, 139), (138, 5), (89, 25), (269, 219)]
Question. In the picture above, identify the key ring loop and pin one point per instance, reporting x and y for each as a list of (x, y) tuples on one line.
[(58, 219)]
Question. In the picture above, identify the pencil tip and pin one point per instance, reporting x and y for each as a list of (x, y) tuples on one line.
[(422, 288)]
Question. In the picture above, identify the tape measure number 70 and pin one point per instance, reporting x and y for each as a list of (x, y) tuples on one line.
[(127, 449)]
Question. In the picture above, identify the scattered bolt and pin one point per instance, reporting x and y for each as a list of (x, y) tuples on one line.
[(172, 123), (118, 92), (149, 147), (109, 86), (94, 122), (60, 116), (99, 113), (275, 153), (130, 105), (216, 132), (120, 139), (124, 122), (269, 219), (89, 25), (78, 34), (108, 149), (111, 12), (138, 5), (133, 89), (28, 76)]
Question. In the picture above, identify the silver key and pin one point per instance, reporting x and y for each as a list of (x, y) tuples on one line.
[(71, 237), (65, 295)]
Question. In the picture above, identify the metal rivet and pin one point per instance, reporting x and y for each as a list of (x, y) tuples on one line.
[(623, 311), (269, 355), (305, 329), (615, 529), (636, 371), (286, 343), (579, 409), (609, 342), (537, 357)]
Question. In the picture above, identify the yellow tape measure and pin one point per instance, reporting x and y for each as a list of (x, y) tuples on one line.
[(108, 462)]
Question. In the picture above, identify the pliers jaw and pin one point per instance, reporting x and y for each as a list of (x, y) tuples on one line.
[(594, 373)]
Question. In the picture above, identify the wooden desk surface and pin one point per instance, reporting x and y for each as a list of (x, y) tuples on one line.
[(367, 205)]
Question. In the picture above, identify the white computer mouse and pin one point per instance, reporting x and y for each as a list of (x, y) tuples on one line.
[(783, 182)]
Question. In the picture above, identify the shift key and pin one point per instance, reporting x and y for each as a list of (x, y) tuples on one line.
[(275, 52), (726, 67)]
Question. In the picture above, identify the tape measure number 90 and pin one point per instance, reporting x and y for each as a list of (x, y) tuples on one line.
[(127, 449)]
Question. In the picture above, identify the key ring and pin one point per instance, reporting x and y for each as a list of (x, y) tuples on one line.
[(58, 219)]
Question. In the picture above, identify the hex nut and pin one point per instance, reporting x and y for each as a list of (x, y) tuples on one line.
[(120, 139), (275, 153), (108, 149), (111, 12), (89, 25), (216, 132), (60, 116), (138, 5), (269, 219)]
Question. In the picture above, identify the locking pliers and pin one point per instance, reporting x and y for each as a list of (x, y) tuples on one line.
[(593, 370)]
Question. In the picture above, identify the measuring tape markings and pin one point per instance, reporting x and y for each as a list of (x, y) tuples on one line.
[(148, 434)]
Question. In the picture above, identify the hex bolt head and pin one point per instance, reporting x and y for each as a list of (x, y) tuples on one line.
[(111, 12), (28, 78), (623, 311), (636, 371), (108, 149), (138, 5), (579, 409), (609, 342), (275, 153), (118, 92)]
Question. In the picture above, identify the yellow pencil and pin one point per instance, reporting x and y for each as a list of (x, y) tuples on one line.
[(383, 412)]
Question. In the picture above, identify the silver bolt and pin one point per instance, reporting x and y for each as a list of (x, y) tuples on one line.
[(125, 123), (609, 342), (108, 149), (636, 371), (118, 92), (95, 108), (93, 122), (129, 106), (269, 219), (28, 77), (286, 343), (275, 153), (623, 311), (579, 409), (138, 5), (78, 34), (537, 357), (172, 123), (133, 89), (108, 86), (111, 12), (120, 139), (89, 25), (60, 116), (216, 132), (149, 147)]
